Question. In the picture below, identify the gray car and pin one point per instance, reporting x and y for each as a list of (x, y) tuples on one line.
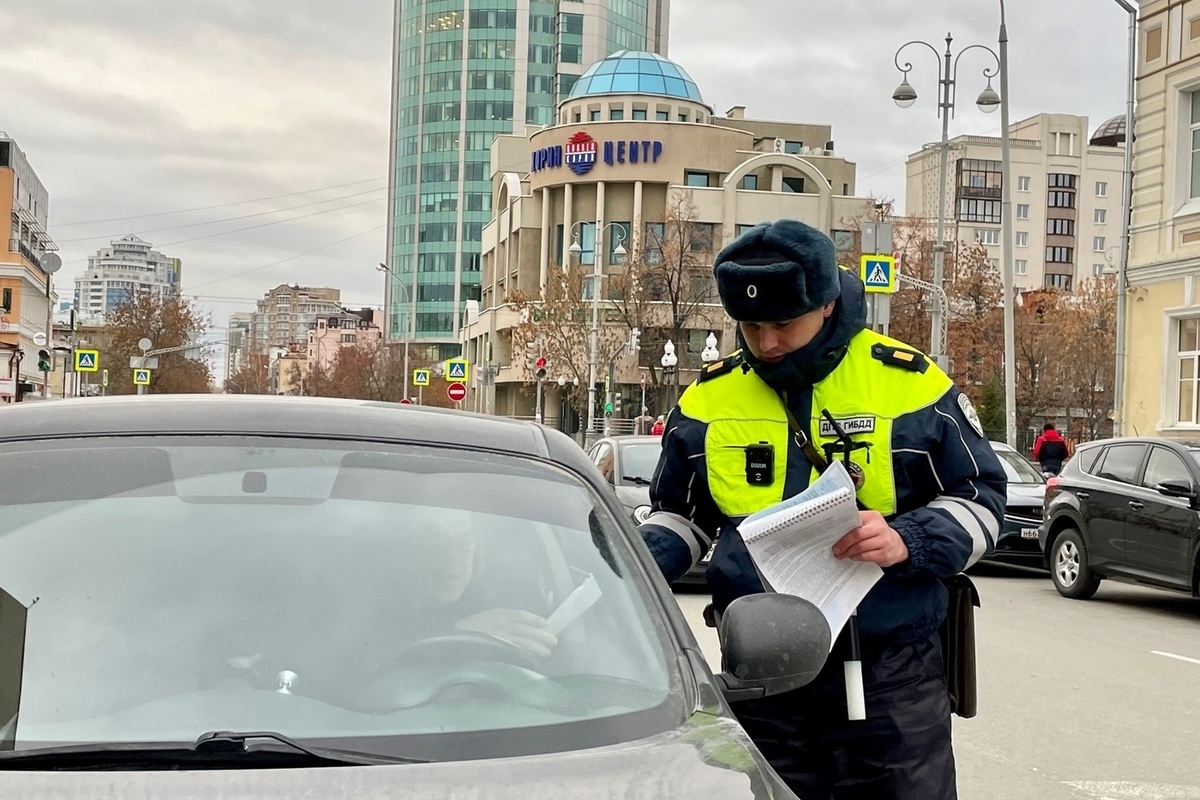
[(627, 464), (224, 596)]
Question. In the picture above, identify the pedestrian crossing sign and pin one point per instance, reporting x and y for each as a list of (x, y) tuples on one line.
[(456, 370), (420, 377), (141, 377), (87, 360), (878, 273)]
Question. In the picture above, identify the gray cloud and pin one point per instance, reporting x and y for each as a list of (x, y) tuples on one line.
[(142, 106)]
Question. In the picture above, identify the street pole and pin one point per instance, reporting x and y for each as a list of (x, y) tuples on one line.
[(937, 344), (1006, 221), (594, 356), (538, 411), (1126, 213)]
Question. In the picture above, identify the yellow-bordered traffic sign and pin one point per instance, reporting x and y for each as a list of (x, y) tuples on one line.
[(457, 370), (141, 377), (878, 274), (420, 377), (104, 378), (87, 360)]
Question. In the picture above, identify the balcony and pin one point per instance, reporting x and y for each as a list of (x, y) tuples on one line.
[(17, 246)]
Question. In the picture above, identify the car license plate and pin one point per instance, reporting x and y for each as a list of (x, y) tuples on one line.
[(1029, 533), (708, 555)]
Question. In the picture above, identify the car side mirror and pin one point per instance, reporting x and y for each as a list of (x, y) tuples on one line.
[(770, 644), (1177, 489)]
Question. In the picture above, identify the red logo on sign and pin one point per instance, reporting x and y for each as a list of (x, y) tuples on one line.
[(581, 153), (456, 392)]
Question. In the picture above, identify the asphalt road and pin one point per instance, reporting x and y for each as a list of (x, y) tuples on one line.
[(1079, 700)]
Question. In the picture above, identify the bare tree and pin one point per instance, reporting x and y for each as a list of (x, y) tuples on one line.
[(253, 377), (975, 328), (1039, 351), (168, 322), (559, 323), (1089, 342)]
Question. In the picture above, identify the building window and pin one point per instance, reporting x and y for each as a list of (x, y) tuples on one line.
[(843, 241), (1060, 282), (1060, 199), (1097, 244), (662, 116), (1188, 345), (1060, 180), (972, 210), (587, 241), (750, 182), (594, 116), (979, 178), (794, 185), (655, 231), (1022, 238), (616, 114), (1097, 270), (1100, 216), (795, 148), (691, 178), (1059, 255), (1101, 188), (639, 113), (1020, 266), (701, 235), (1022, 211), (987, 236), (349, 338), (683, 117), (1194, 185), (1060, 227), (570, 53), (1023, 183)]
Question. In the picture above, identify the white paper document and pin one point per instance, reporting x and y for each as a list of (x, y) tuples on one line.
[(791, 544), (577, 602)]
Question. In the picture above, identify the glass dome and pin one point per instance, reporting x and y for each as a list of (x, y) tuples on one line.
[(634, 72), (1111, 133)]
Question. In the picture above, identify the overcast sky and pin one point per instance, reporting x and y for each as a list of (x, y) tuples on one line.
[(141, 107)]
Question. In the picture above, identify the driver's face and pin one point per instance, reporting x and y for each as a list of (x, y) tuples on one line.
[(447, 558)]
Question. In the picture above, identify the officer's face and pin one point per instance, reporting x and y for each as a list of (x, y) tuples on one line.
[(771, 341)]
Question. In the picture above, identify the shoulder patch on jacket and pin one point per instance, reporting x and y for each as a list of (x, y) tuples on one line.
[(900, 357), (722, 367)]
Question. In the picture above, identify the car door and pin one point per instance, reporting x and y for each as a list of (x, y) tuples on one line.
[(604, 456), (1160, 530), (1106, 499)]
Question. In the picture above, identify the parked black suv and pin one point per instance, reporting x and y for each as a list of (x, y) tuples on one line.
[(1127, 509)]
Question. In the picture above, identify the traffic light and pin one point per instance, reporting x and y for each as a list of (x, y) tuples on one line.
[(608, 409), (532, 350), (541, 367), (44, 364)]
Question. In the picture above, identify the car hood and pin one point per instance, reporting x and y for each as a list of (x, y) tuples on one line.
[(633, 496), (708, 757), (1026, 494)]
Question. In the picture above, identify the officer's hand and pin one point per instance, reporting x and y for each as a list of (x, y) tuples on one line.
[(874, 541), (519, 628)]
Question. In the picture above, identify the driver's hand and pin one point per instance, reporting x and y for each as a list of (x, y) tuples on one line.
[(518, 628)]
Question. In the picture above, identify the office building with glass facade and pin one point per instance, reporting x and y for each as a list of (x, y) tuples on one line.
[(464, 73)]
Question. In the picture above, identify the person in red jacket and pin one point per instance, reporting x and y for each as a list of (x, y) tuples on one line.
[(1050, 449), (660, 425)]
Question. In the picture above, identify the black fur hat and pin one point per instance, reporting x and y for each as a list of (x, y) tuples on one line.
[(777, 271)]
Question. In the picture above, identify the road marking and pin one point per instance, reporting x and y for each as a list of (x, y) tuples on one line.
[(1131, 790), (1180, 658)]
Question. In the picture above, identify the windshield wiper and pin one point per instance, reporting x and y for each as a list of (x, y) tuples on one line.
[(213, 750), (640, 481)]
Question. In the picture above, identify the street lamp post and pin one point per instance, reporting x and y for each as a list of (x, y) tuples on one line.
[(594, 355), (1126, 211), (409, 333), (668, 361), (710, 352), (1006, 252), (988, 101)]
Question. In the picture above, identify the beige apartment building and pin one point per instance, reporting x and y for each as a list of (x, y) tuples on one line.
[(287, 313), (1066, 199), (1162, 342), (624, 156)]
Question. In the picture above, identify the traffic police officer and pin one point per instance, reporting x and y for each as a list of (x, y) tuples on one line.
[(932, 487)]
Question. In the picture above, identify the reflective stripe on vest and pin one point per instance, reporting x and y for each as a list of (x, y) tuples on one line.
[(863, 394)]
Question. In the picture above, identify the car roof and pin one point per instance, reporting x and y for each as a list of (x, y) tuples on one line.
[(1188, 445), (268, 415)]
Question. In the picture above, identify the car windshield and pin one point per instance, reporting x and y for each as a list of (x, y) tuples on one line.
[(403, 601), (639, 460), (1017, 469)]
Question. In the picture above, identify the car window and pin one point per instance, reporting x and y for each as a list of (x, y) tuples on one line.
[(1085, 458), (603, 457), (1164, 465), (173, 585), (1121, 462), (1017, 469), (638, 461)]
